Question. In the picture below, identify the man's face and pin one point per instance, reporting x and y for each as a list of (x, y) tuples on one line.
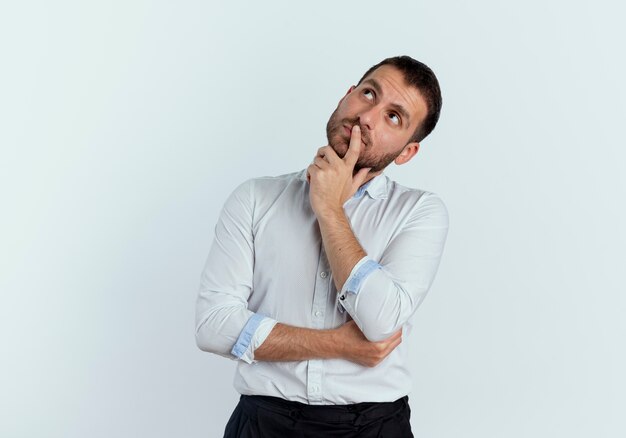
[(388, 112)]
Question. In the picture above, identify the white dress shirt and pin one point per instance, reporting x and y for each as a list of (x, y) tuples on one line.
[(267, 264)]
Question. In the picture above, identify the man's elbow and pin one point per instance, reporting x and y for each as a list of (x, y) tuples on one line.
[(381, 322), (215, 328), (377, 332), (203, 343), (209, 341)]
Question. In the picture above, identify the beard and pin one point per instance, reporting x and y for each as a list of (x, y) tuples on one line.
[(340, 141)]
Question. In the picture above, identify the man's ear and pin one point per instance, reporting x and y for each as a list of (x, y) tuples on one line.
[(350, 90), (407, 153)]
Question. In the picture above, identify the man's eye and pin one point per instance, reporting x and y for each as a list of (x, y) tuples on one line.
[(368, 94), (394, 118)]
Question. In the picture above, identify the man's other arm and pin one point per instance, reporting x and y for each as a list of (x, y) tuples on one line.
[(224, 324)]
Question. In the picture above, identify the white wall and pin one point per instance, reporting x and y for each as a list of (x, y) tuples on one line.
[(125, 124)]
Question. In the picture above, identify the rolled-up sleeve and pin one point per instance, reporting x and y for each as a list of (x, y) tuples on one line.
[(224, 324), (359, 273), (382, 295)]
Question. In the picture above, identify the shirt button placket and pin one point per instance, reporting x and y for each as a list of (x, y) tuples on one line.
[(315, 368)]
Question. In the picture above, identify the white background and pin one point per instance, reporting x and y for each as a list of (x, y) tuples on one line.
[(125, 124)]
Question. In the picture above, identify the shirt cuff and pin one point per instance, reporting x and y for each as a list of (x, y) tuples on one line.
[(359, 273), (252, 336)]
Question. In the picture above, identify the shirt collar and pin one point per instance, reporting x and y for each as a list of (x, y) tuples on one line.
[(376, 187)]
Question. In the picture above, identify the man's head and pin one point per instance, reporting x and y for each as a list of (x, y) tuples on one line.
[(396, 104)]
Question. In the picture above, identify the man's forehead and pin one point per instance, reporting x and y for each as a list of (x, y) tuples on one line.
[(390, 74)]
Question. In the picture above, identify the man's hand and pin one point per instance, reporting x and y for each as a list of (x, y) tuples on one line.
[(331, 179), (356, 348)]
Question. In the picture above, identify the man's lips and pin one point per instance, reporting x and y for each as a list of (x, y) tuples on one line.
[(348, 131)]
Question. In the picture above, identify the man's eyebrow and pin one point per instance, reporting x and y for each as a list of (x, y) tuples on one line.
[(396, 106)]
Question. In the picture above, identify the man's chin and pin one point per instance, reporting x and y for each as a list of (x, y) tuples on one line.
[(340, 147)]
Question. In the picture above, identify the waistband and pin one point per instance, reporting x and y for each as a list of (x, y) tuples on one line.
[(357, 413)]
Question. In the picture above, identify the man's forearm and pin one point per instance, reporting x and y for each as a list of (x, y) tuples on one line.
[(342, 247), (287, 343), (333, 181)]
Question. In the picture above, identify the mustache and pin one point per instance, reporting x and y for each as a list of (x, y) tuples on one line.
[(364, 133)]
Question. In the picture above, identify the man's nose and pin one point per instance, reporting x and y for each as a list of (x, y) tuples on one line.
[(367, 118)]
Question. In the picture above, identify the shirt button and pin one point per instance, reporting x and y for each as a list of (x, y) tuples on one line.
[(318, 313), (323, 274)]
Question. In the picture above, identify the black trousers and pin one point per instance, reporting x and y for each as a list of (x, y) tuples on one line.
[(271, 417)]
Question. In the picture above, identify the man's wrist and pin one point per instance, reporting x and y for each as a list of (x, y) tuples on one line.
[(330, 214), (330, 345), (336, 344)]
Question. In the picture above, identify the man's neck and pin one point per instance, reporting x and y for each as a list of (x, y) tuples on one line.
[(371, 176)]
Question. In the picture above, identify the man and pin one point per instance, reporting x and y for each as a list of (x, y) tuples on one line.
[(313, 277)]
